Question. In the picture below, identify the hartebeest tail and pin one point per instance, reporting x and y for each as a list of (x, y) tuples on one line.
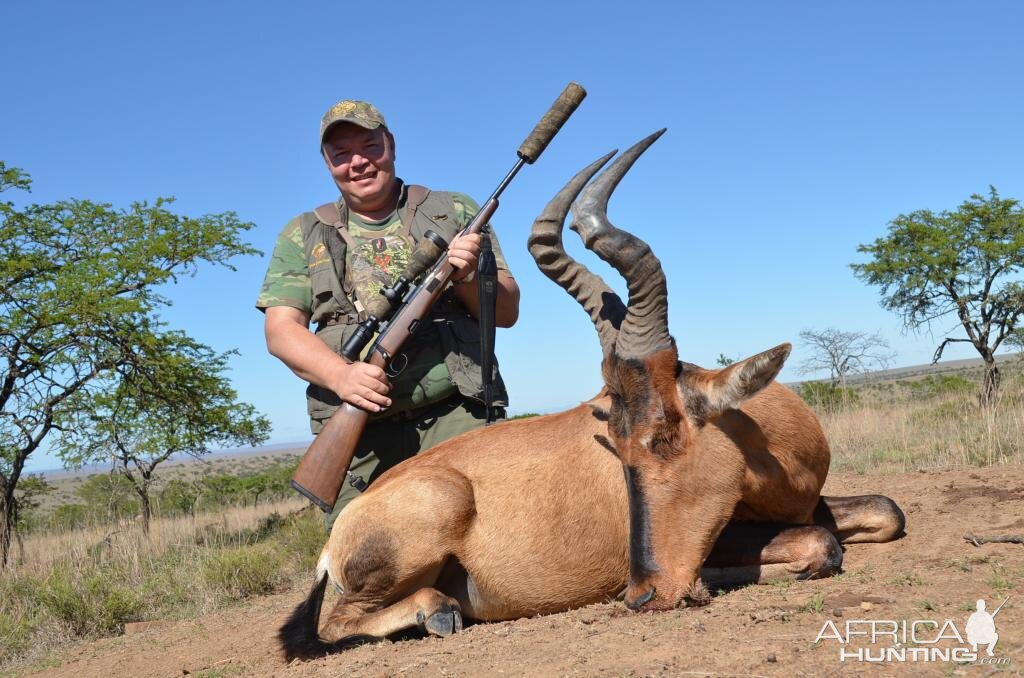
[(298, 635)]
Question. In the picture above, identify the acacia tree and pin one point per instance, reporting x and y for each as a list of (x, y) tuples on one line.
[(965, 264), (843, 353), (78, 302), (1016, 339), (181, 404)]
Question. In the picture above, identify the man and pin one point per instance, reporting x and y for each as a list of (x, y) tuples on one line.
[(328, 263)]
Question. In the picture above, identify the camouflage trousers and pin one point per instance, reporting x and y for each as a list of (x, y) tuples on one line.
[(387, 443)]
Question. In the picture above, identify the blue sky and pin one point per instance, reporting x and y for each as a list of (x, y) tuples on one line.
[(796, 131)]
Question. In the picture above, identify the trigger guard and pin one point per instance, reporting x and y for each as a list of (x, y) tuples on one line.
[(393, 371)]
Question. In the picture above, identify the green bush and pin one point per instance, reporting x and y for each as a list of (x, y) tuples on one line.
[(109, 494), (246, 571), (303, 537), (266, 554), (941, 384), (15, 634), (826, 396), (69, 516), (227, 489), (96, 600), (221, 489), (178, 498), (171, 582)]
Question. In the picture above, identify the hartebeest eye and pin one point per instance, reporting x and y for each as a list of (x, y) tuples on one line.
[(618, 422)]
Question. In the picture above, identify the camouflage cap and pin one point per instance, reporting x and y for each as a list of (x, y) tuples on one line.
[(360, 113)]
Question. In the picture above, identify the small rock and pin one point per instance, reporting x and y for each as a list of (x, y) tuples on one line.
[(771, 658), (838, 612), (866, 606)]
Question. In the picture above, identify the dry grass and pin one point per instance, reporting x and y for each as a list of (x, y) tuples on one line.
[(125, 541), (89, 582), (896, 427)]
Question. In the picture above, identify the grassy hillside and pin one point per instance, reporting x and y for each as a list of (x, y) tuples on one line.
[(922, 417)]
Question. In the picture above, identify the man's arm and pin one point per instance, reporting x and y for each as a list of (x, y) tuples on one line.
[(463, 253), (289, 339)]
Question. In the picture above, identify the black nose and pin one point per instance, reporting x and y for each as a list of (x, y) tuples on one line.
[(637, 603)]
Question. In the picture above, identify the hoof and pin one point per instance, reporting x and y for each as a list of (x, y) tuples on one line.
[(443, 623)]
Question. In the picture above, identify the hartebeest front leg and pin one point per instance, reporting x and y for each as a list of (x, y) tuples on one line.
[(752, 552), (388, 572), (867, 518), (428, 609)]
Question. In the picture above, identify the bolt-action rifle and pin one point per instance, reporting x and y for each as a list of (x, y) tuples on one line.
[(394, 318)]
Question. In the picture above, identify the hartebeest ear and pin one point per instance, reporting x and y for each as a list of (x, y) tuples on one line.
[(721, 390), (743, 379)]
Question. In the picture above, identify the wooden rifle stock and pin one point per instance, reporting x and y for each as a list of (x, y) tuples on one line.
[(324, 467)]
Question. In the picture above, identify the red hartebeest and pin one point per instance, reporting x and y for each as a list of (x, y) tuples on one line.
[(723, 473)]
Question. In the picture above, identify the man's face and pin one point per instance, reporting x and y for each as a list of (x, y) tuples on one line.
[(362, 162)]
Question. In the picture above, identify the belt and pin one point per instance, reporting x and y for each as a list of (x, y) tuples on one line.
[(406, 416), (439, 408)]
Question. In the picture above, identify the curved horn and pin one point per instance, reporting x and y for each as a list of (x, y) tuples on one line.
[(644, 330), (603, 305)]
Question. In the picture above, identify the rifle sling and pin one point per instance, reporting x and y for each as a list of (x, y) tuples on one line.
[(487, 289)]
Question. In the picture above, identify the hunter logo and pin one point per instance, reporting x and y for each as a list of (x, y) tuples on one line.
[(318, 257), (981, 628), (381, 257), (918, 640)]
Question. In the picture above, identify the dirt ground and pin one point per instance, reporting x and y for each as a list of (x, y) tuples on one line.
[(930, 574)]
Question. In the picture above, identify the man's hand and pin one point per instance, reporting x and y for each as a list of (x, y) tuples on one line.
[(463, 253), (289, 338), (362, 384)]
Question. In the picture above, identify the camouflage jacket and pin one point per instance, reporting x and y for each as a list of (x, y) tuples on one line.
[(330, 277)]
